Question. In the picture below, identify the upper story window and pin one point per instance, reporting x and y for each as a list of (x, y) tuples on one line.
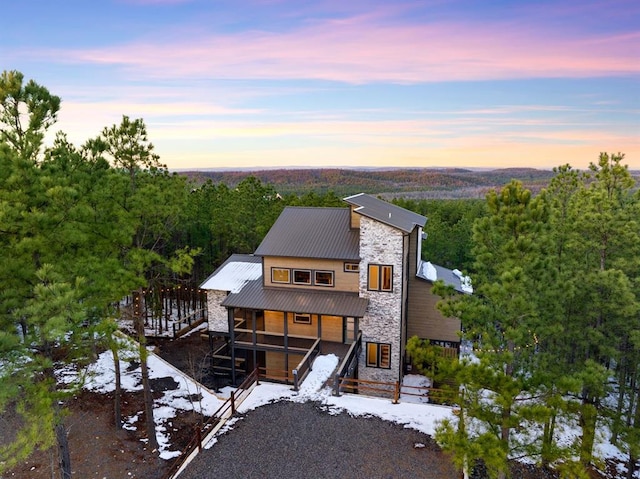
[(280, 275), (323, 278), (302, 276), (352, 267), (380, 277)]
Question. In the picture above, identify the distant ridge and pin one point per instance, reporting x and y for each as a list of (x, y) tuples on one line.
[(387, 182)]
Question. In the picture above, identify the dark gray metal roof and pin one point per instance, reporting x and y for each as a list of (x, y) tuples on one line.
[(432, 272), (301, 232), (385, 212), (255, 296)]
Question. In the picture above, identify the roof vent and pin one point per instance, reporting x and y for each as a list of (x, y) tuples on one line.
[(389, 214)]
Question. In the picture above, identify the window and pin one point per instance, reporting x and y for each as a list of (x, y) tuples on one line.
[(323, 278), (302, 318), (352, 267), (380, 277), (379, 355), (280, 275), (302, 276)]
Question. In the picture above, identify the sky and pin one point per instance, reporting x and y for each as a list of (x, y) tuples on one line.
[(293, 83)]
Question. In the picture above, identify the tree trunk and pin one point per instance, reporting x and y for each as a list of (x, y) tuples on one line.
[(633, 456), (588, 417), (117, 394), (625, 376), (63, 451), (547, 440), (148, 403), (146, 387)]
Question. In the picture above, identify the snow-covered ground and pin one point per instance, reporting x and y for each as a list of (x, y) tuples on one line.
[(183, 398), (411, 411)]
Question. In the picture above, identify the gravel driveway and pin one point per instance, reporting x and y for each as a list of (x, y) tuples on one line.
[(300, 440)]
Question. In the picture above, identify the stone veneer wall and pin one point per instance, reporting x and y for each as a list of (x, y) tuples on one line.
[(381, 244), (218, 315)]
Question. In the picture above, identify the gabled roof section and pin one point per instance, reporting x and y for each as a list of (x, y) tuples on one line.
[(234, 273), (302, 232), (432, 272), (254, 295), (386, 212)]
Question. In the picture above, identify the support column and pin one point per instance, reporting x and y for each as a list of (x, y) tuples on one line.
[(232, 338), (255, 338), (285, 340)]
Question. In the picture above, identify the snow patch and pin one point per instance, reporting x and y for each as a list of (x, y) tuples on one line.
[(465, 281), (233, 276), (429, 271)]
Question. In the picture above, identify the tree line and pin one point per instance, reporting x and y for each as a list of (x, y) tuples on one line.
[(554, 324)]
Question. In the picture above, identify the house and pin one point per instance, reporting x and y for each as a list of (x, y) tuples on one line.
[(333, 277)]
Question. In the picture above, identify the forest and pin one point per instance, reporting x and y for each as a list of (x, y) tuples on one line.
[(416, 183), (554, 318)]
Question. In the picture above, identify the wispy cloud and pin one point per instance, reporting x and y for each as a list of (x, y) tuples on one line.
[(359, 50)]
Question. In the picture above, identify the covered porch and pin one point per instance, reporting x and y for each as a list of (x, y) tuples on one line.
[(276, 330)]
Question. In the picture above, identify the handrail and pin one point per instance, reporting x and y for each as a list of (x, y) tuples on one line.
[(300, 372), (274, 333), (188, 320), (343, 369)]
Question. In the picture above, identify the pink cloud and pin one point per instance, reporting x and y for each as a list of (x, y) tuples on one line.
[(360, 50)]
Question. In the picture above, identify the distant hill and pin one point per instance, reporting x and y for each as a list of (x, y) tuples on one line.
[(406, 182), (416, 183)]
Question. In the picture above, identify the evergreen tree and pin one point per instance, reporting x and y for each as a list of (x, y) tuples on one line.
[(501, 317)]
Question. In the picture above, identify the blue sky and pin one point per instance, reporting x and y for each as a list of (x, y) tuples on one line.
[(266, 83)]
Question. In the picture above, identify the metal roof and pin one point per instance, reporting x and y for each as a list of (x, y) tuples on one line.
[(433, 272), (307, 232), (234, 273), (255, 296), (385, 212)]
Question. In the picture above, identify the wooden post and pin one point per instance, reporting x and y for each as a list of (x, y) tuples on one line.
[(199, 437), (295, 380), (336, 385), (396, 393), (233, 403)]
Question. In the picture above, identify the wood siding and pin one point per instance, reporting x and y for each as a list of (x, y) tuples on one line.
[(343, 281), (423, 319), (429, 323), (355, 217), (275, 362), (331, 326)]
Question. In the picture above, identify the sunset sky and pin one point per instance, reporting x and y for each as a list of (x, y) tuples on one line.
[(350, 83)]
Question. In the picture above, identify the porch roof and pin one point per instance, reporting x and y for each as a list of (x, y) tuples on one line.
[(255, 296), (234, 273)]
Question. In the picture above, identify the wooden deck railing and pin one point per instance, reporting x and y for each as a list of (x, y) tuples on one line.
[(213, 424), (186, 324), (349, 364), (303, 368), (393, 390), (278, 375)]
